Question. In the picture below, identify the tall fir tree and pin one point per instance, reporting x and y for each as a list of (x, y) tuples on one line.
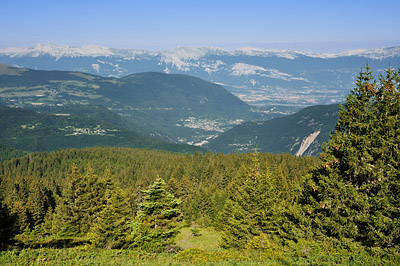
[(79, 205), (158, 220), (251, 207), (7, 226), (110, 229), (39, 201), (354, 194)]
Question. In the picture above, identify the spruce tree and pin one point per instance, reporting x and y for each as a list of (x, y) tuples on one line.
[(40, 199), (354, 193), (110, 229), (68, 214), (158, 220), (7, 226), (92, 199), (79, 205), (250, 209)]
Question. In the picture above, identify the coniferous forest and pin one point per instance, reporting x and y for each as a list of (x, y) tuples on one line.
[(119, 206)]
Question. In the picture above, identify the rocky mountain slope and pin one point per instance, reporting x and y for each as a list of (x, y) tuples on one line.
[(300, 134)]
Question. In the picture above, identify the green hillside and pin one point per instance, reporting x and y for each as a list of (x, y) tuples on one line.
[(96, 112), (299, 134), (153, 89), (7, 153), (178, 108), (32, 131)]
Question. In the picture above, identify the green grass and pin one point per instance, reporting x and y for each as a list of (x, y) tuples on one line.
[(83, 256), (206, 239), (202, 249), (89, 256)]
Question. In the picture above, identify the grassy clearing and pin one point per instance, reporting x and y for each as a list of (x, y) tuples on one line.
[(199, 249), (205, 238)]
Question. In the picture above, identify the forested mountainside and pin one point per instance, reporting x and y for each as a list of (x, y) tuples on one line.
[(32, 131), (7, 153), (300, 134), (177, 108)]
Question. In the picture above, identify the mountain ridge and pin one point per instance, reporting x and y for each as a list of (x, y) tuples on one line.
[(187, 52), (282, 81)]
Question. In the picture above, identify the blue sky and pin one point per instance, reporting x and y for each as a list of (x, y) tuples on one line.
[(308, 25)]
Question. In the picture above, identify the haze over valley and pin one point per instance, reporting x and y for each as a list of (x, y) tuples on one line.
[(280, 81)]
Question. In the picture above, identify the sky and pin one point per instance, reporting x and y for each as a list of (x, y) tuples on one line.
[(306, 25)]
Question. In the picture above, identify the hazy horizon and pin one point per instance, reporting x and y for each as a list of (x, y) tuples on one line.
[(302, 47), (312, 26)]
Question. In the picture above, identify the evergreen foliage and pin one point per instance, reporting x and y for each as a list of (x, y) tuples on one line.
[(80, 204), (354, 194), (200, 180), (7, 229), (250, 209), (7, 152), (110, 229), (28, 201), (158, 220)]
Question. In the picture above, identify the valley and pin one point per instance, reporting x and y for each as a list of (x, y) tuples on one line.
[(174, 108)]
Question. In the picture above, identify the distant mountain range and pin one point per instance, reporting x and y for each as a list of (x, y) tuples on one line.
[(280, 80), (300, 134), (174, 107)]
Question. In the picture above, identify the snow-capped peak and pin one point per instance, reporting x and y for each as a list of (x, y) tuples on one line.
[(250, 51), (377, 53), (58, 51), (182, 55), (191, 52)]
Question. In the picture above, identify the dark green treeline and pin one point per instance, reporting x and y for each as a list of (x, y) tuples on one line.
[(38, 189)]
